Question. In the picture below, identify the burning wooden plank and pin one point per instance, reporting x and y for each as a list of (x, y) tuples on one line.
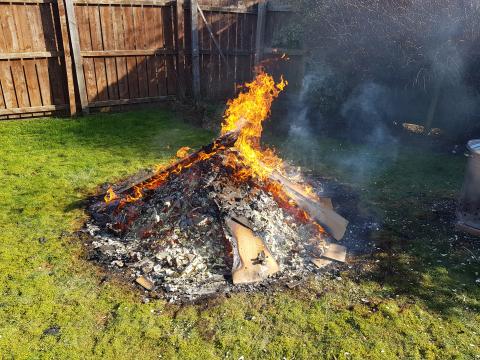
[(334, 224), (253, 261), (130, 193)]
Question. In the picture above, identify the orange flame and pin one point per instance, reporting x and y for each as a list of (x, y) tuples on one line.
[(137, 194), (110, 195), (183, 152), (247, 113)]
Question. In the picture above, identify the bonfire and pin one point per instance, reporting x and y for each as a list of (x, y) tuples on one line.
[(229, 214)]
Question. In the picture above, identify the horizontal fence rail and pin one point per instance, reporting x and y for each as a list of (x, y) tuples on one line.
[(66, 56)]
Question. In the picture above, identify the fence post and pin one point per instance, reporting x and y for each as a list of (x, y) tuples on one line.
[(260, 33), (77, 58), (195, 50), (180, 39), (67, 58)]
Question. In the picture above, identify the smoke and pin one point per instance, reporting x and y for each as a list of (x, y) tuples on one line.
[(367, 112), (301, 142), (299, 109), (417, 58), (364, 113), (372, 68)]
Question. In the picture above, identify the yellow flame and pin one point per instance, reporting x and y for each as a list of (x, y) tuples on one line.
[(110, 195), (247, 113), (183, 152)]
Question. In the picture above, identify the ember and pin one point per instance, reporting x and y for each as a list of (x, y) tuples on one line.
[(227, 213)]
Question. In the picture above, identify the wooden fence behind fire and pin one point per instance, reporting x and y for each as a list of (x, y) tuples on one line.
[(64, 56)]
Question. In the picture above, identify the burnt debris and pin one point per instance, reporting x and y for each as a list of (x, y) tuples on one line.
[(203, 230)]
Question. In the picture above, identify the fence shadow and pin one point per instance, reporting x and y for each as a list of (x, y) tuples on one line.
[(131, 53)]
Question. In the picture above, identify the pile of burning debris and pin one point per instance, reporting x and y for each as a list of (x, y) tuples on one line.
[(226, 215)]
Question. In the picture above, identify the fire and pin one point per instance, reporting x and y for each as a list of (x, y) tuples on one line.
[(183, 151), (244, 115), (162, 174), (110, 195), (137, 194), (247, 113), (282, 198)]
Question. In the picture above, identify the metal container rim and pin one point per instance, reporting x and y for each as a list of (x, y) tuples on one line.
[(474, 146)]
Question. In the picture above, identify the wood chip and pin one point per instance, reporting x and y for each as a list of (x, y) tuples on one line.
[(326, 202), (336, 252), (145, 283), (320, 263), (255, 261)]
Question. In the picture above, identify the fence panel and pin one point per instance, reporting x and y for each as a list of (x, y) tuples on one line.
[(32, 73), (226, 46), (276, 46), (130, 51)]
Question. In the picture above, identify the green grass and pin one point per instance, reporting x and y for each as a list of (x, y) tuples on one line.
[(401, 304)]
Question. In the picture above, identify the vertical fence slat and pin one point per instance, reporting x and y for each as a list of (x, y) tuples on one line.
[(77, 58), (195, 51), (68, 58), (180, 44), (160, 59), (121, 63), (108, 44), (169, 44), (56, 68), (150, 68), (43, 65), (97, 44), (85, 37), (260, 31), (129, 39), (30, 66), (7, 85), (141, 43)]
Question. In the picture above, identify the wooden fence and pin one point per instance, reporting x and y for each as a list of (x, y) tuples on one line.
[(65, 56)]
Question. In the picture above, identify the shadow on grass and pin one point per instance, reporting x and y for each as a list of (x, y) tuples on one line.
[(421, 255), (149, 132), (404, 230)]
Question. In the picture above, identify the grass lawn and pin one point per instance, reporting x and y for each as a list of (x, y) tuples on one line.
[(415, 297)]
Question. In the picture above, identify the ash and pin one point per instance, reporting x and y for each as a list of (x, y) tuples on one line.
[(177, 240)]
